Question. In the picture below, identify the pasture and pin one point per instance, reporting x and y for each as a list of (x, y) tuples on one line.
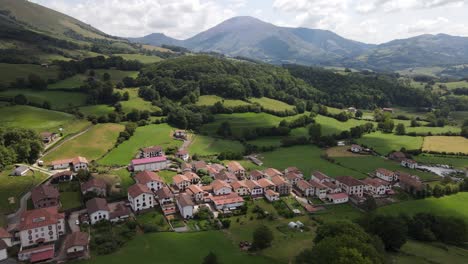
[(136, 102), (332, 126), (115, 75), (191, 248), (446, 144), (386, 143), (414, 252), (207, 146), (10, 72), (69, 83), (452, 205), (92, 144), (97, 110), (139, 57), (151, 135), (272, 104), (266, 142), (209, 100), (306, 158), (58, 100), (455, 161)]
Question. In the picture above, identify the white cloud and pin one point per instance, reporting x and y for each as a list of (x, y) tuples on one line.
[(367, 6), (130, 18)]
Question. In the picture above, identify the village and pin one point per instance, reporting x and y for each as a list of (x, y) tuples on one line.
[(44, 232)]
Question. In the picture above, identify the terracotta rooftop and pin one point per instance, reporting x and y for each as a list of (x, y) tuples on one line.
[(272, 172), (252, 184), (227, 199), (152, 149), (385, 172), (238, 184), (235, 166), (303, 185), (319, 175), (96, 204), (185, 200), (337, 195), (147, 176), (76, 239), (292, 175), (44, 191), (191, 176), (93, 183), (149, 160), (164, 193), (194, 189), (271, 193), (317, 185), (62, 173), (375, 182), (179, 178), (278, 180), (39, 218), (257, 174), (349, 181), (137, 189), (265, 183), (218, 184), (4, 233), (225, 175)]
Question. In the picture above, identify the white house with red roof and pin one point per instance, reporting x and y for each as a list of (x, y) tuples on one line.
[(150, 152), (196, 192), (386, 175), (76, 164), (181, 182), (338, 198), (150, 164), (236, 168), (41, 226), (185, 205), (183, 155), (377, 186), (304, 188), (240, 188), (151, 179), (254, 188), (230, 201), (141, 198), (409, 163), (98, 210), (221, 187), (351, 185), (271, 195)]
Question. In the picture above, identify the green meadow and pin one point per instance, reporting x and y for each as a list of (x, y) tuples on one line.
[(69, 83), (10, 72), (136, 102), (58, 100), (151, 135), (141, 58), (207, 146), (272, 104), (386, 143), (332, 126), (97, 110), (209, 100), (414, 252)]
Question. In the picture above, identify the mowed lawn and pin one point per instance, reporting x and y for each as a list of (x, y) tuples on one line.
[(12, 187), (307, 158), (206, 146), (151, 135), (171, 247), (272, 104), (38, 119), (10, 72), (209, 100), (386, 143), (368, 164), (58, 100), (92, 145), (140, 57), (414, 252), (136, 102), (446, 144), (97, 110), (452, 205)]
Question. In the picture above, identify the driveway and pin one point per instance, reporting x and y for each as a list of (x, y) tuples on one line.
[(72, 220)]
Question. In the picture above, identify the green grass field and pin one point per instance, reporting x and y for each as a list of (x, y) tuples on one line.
[(459, 162), (159, 135), (206, 146), (266, 142), (190, 248), (385, 143), (368, 164), (332, 126), (10, 72), (446, 144), (69, 83), (453, 205), (307, 158), (272, 104), (13, 187), (70, 200), (459, 116), (136, 102), (91, 145), (338, 212), (116, 75), (59, 100), (209, 100), (97, 110), (167, 175), (141, 58), (39, 119), (414, 252)]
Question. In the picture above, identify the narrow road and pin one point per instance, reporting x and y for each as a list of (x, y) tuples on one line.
[(55, 146)]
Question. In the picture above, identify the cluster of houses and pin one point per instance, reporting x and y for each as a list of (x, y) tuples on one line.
[(397, 156)]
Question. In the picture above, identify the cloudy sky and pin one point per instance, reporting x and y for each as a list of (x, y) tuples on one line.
[(371, 21)]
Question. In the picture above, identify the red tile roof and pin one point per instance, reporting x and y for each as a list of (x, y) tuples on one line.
[(152, 149), (257, 174), (185, 200), (271, 172), (227, 199), (191, 176), (179, 178), (376, 182), (194, 189), (44, 191), (384, 172), (97, 204), (303, 185), (349, 181), (217, 185), (317, 185), (278, 180), (337, 195), (238, 185), (319, 175), (235, 166), (76, 239), (4, 233), (147, 176), (271, 193), (137, 189), (164, 193), (39, 218), (265, 183), (93, 183), (41, 256), (149, 160), (252, 184)]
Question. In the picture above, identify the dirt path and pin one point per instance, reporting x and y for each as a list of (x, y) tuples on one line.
[(55, 146)]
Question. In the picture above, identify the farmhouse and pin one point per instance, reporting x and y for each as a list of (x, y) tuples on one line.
[(271, 195), (192, 177), (351, 185), (410, 183), (254, 188), (294, 170), (319, 189), (377, 186), (185, 205), (20, 171), (293, 178), (64, 176), (230, 201), (237, 169), (409, 163), (196, 192), (41, 226), (304, 188), (266, 184), (386, 175), (76, 245), (271, 172), (221, 187), (44, 196), (338, 198), (256, 175), (118, 212), (166, 200), (183, 155), (48, 137), (76, 164), (98, 210), (281, 185), (152, 180), (215, 168), (37, 254), (240, 188), (150, 164), (320, 177), (332, 187), (180, 134), (151, 152), (96, 186), (199, 165), (356, 148), (140, 197), (181, 182), (225, 176)]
